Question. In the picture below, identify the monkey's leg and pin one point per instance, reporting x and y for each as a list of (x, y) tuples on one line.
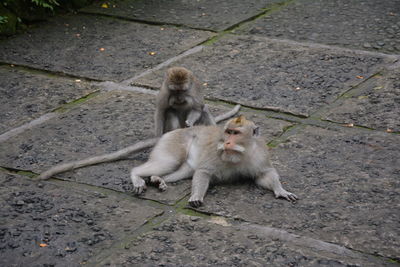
[(184, 171), (171, 122), (270, 180), (153, 167), (200, 183)]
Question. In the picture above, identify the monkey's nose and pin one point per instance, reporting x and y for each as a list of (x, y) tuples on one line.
[(228, 145)]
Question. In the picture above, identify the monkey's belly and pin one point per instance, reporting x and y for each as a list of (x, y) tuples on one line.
[(193, 155)]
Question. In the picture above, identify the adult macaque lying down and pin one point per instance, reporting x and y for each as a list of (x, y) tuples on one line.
[(210, 154)]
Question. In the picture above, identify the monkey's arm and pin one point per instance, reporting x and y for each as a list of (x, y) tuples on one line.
[(227, 115), (270, 180), (159, 121), (98, 159), (200, 183)]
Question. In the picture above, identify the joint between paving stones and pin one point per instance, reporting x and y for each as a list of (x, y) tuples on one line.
[(47, 71), (68, 106), (283, 137), (146, 22), (265, 12)]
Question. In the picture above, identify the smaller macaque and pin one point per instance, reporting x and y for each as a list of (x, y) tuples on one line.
[(210, 154), (179, 103)]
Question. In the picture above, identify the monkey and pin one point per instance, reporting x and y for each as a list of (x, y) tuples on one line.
[(210, 154), (179, 103)]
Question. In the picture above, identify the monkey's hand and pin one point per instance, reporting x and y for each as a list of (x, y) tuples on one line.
[(189, 123), (286, 195), (162, 186), (139, 186), (195, 202)]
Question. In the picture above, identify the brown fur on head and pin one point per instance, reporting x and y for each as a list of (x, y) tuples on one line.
[(178, 75), (237, 122), (242, 124)]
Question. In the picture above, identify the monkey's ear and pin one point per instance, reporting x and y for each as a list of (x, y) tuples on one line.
[(256, 131)]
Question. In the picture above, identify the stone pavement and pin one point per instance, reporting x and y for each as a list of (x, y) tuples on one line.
[(321, 78)]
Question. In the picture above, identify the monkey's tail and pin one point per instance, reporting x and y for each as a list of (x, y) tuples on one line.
[(227, 115), (98, 159)]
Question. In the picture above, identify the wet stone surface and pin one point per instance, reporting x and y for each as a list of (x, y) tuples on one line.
[(377, 106), (201, 14), (49, 225), (104, 124), (368, 24), (98, 47), (191, 241), (276, 75), (25, 96), (348, 183)]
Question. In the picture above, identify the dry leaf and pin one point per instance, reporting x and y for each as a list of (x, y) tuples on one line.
[(43, 245), (389, 130), (360, 77), (219, 220), (349, 125), (152, 53)]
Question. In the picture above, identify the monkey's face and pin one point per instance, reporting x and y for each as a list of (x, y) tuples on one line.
[(179, 95), (232, 145), (238, 136)]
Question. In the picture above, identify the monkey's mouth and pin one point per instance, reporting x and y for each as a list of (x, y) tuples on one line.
[(179, 103), (237, 149)]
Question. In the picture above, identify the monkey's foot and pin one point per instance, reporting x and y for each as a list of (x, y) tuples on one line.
[(286, 195), (162, 186), (139, 186), (195, 202)]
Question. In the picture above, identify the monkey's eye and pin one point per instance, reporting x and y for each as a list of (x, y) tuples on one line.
[(232, 132)]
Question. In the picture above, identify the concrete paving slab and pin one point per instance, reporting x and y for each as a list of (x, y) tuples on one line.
[(201, 14), (26, 95), (48, 225), (376, 105), (190, 241), (98, 47), (285, 76), (348, 184), (368, 24)]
